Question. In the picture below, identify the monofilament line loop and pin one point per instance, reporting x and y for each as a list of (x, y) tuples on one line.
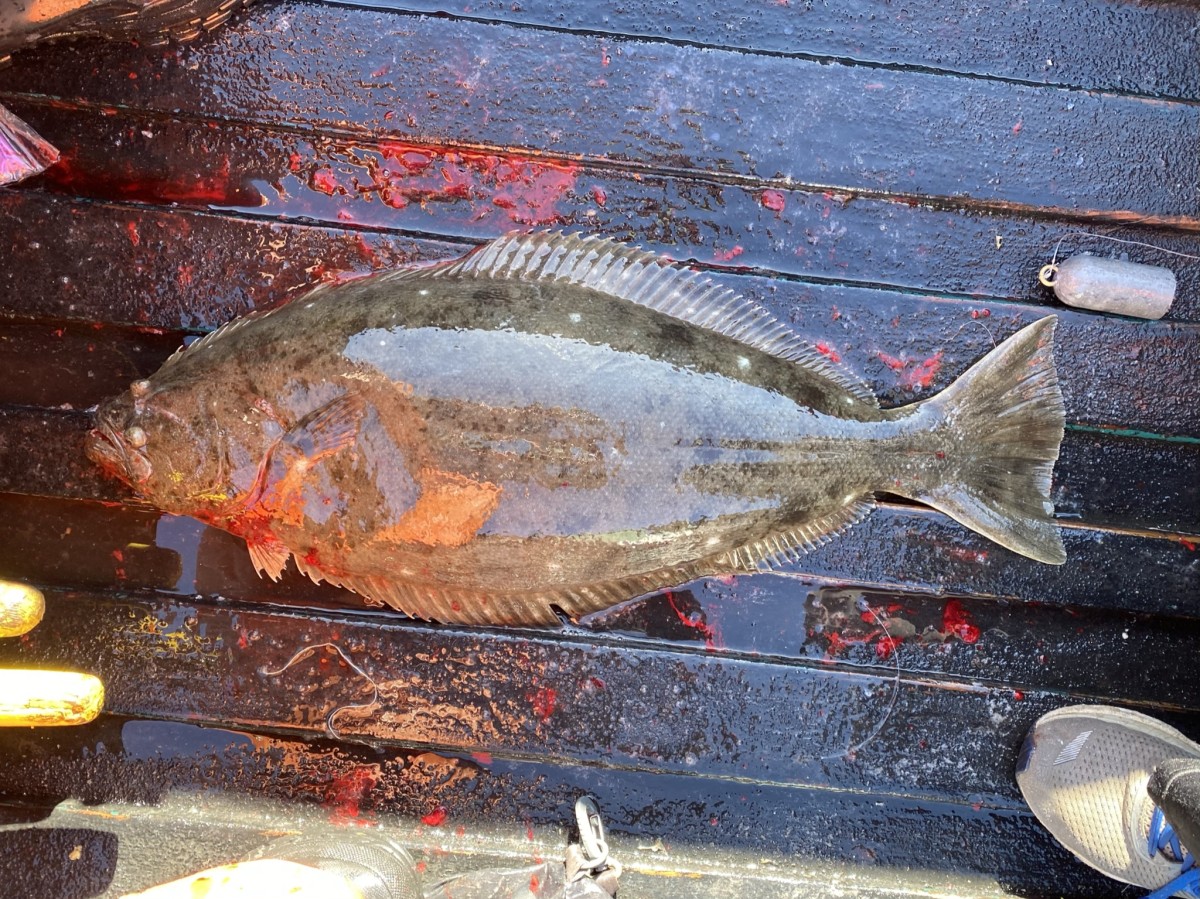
[(332, 716)]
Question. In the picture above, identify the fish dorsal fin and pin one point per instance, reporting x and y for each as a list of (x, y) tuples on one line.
[(218, 335), (776, 550), (640, 277)]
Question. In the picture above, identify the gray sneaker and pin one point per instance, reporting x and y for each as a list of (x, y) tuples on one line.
[(1084, 770)]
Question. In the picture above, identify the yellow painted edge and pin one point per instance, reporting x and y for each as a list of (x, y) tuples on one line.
[(267, 878), (34, 698), (21, 608)]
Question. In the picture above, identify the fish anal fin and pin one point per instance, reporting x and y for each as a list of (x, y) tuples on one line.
[(640, 277), (453, 605), (268, 556), (786, 545)]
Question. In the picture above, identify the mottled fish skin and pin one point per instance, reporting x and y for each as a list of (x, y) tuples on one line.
[(479, 441)]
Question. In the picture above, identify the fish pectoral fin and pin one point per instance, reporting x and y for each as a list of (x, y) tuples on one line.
[(776, 550), (328, 429), (268, 556)]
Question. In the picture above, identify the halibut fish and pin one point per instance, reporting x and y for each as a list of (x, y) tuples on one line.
[(561, 422)]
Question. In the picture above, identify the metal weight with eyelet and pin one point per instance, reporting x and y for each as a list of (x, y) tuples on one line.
[(1111, 285)]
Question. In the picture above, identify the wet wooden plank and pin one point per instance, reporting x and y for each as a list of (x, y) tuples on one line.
[(656, 824), (761, 720), (666, 107), (391, 185), (76, 364), (962, 37), (537, 695)]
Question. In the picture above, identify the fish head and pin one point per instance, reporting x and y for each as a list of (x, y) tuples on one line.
[(158, 441)]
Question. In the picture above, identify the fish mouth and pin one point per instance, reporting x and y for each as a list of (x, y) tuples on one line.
[(107, 448)]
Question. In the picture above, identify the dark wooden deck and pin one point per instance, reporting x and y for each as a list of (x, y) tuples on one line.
[(887, 177)]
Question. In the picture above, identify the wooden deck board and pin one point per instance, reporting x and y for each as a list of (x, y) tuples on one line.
[(887, 182), (665, 107)]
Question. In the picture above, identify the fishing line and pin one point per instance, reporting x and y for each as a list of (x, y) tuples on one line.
[(332, 716), (1135, 243), (851, 751)]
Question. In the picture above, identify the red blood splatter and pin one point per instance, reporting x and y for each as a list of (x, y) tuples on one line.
[(892, 362), (544, 701), (437, 817), (345, 215), (956, 621), (347, 792), (119, 571), (528, 189), (221, 188), (923, 373), (295, 162), (1018, 696), (836, 314), (773, 200), (697, 622), (599, 195), (839, 644), (324, 181), (873, 86), (729, 255), (828, 352), (460, 831), (366, 251), (382, 70), (605, 58), (981, 313), (535, 885), (1188, 544), (413, 160), (134, 237), (1016, 129), (964, 554), (483, 758), (885, 646)]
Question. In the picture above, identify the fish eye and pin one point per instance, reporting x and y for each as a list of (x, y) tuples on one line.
[(135, 437)]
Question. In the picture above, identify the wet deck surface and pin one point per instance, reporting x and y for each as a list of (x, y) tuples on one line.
[(889, 181)]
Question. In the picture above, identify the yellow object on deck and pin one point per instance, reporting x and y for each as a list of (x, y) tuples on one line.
[(21, 608), (34, 698), (266, 878)]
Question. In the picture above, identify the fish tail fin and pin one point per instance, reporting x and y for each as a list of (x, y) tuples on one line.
[(1003, 421)]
